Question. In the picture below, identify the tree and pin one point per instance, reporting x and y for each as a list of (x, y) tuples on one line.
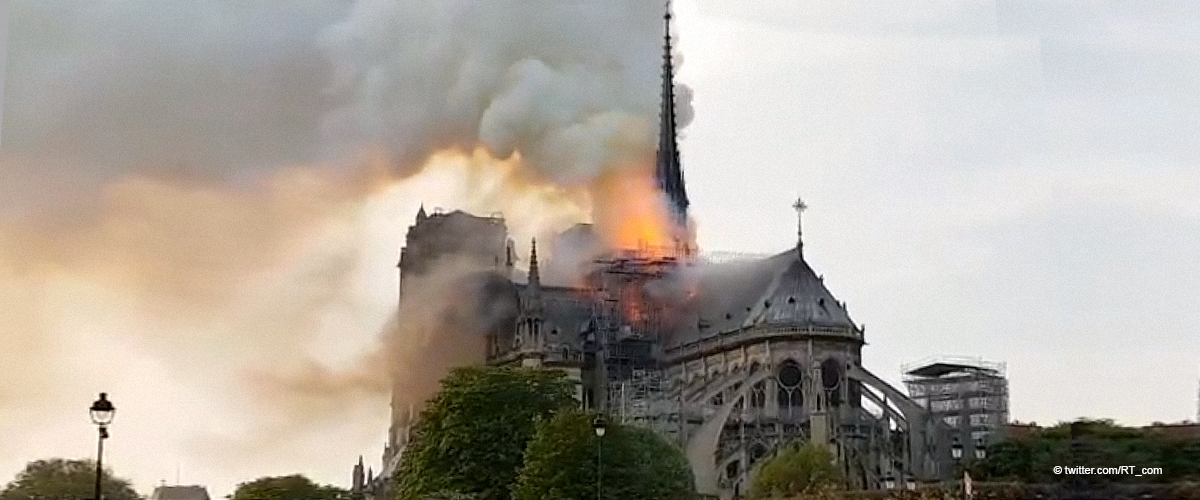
[(1096, 443), (561, 463), (61, 479), (796, 470), (293, 487), (471, 437)]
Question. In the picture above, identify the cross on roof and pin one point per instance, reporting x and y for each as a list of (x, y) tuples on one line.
[(800, 207)]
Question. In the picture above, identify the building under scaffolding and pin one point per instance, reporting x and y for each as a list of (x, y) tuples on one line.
[(969, 395), (630, 321)]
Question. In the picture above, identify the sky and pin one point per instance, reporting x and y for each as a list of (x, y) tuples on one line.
[(190, 221)]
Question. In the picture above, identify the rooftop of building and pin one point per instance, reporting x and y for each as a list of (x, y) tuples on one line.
[(191, 492), (950, 366)]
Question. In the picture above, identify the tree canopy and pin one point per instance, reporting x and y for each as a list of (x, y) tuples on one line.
[(796, 469), (561, 463), (62, 479), (1097, 443), (293, 487), (472, 435)]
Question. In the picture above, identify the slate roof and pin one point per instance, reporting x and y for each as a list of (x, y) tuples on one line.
[(779, 290), (782, 290)]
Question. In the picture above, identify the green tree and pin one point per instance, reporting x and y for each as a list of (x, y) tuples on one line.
[(1097, 443), (795, 470), (471, 437), (61, 479), (293, 487), (561, 463)]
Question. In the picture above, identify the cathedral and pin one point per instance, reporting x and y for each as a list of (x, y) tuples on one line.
[(730, 360)]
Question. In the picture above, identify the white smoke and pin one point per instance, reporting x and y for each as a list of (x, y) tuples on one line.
[(175, 158), (572, 86)]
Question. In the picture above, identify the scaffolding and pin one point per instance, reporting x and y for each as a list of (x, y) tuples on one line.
[(629, 324), (969, 395)]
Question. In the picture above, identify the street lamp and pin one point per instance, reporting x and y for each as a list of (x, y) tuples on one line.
[(980, 449), (598, 425), (910, 483), (956, 449), (102, 412), (889, 482)]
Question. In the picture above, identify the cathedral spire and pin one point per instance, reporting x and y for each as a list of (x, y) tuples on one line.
[(421, 215), (668, 172)]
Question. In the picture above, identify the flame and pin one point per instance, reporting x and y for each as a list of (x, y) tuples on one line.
[(632, 214)]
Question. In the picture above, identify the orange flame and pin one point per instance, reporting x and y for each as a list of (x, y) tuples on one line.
[(631, 214)]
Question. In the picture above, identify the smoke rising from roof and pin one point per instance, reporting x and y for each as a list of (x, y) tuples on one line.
[(196, 199), (572, 86)]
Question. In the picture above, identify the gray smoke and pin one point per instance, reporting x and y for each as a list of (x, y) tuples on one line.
[(571, 86), (198, 181)]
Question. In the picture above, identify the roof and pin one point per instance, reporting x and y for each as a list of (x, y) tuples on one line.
[(942, 368), (180, 493), (563, 312), (781, 290)]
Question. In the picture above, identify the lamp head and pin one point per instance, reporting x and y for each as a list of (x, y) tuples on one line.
[(103, 410), (599, 425)]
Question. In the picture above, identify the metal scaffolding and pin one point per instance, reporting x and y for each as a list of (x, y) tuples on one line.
[(630, 324), (969, 394)]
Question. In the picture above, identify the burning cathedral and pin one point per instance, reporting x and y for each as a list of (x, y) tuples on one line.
[(731, 360)]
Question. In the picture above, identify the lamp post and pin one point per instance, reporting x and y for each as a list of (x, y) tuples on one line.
[(980, 449), (102, 412), (598, 425), (956, 449)]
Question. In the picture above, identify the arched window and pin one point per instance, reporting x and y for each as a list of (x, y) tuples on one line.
[(790, 374), (758, 395), (831, 379), (831, 373), (789, 395)]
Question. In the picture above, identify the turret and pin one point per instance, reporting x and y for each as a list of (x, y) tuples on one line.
[(357, 482), (529, 325)]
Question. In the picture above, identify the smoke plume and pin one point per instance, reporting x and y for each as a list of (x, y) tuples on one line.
[(193, 198)]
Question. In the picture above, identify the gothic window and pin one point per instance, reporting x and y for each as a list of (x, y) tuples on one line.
[(758, 395), (789, 396), (831, 375), (790, 374), (789, 400)]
